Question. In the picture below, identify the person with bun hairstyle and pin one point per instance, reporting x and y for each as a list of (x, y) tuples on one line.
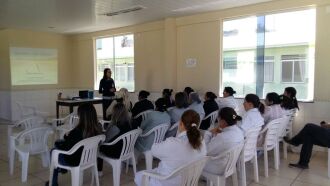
[(174, 152), (222, 138), (289, 99), (143, 104), (188, 90), (253, 116), (210, 105), (228, 99), (273, 108)]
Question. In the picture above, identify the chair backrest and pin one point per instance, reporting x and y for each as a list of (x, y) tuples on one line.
[(159, 132), (190, 172), (90, 149), (36, 139), (284, 124), (213, 117), (250, 144), (143, 114), (232, 154), (291, 114), (172, 131), (272, 133), (29, 123)]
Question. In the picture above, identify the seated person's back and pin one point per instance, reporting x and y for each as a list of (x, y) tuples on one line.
[(142, 105), (210, 105), (196, 104)]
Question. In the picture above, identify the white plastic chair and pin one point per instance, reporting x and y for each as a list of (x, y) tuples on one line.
[(249, 152), (29, 111), (66, 124), (188, 173), (127, 153), (289, 127), (213, 117), (87, 160), (271, 142), (282, 134), (143, 115), (173, 130), (230, 169), (159, 135), (28, 123), (30, 142)]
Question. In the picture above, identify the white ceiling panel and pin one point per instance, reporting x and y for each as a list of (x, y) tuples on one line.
[(79, 16)]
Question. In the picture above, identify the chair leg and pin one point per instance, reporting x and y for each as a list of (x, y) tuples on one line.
[(234, 178), (11, 161), (51, 172), (285, 150), (25, 165), (45, 159), (116, 173), (75, 177), (266, 162), (255, 168), (81, 177), (134, 164), (148, 158), (243, 173), (95, 174), (276, 157)]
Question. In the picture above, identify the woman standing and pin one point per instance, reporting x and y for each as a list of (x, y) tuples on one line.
[(107, 88)]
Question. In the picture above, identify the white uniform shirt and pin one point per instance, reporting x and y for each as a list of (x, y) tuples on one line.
[(227, 102), (198, 107), (215, 145), (173, 153), (251, 119), (273, 112), (176, 113)]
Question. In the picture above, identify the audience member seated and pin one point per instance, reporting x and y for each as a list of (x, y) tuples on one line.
[(154, 118), (88, 126), (123, 98), (228, 99), (288, 99), (196, 104), (253, 116), (209, 106), (221, 139), (166, 99), (142, 105), (176, 151), (310, 135), (119, 125), (273, 109), (181, 105), (188, 90)]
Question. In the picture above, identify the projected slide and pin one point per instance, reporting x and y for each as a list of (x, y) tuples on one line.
[(33, 66)]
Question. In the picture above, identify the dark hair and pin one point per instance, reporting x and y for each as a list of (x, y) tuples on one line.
[(189, 118), (287, 103), (88, 123), (273, 97), (161, 104), (293, 93), (181, 100), (188, 90), (210, 95), (194, 97), (254, 99), (229, 90), (105, 73), (143, 94), (167, 92), (229, 115), (120, 115)]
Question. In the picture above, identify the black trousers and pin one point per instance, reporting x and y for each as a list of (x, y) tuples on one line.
[(311, 135)]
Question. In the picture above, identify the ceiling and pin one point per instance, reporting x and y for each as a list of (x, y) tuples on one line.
[(79, 16)]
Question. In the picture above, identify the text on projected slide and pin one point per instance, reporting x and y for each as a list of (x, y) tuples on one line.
[(33, 66)]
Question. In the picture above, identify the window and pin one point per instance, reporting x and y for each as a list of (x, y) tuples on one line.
[(116, 53), (293, 68), (267, 53)]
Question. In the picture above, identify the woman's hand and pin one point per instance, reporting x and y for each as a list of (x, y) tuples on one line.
[(215, 131)]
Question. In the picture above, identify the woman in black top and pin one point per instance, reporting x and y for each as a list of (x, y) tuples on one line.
[(210, 105), (88, 126), (107, 88), (143, 104), (120, 124)]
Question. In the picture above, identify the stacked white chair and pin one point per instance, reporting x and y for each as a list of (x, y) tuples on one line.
[(213, 117), (143, 115), (88, 159), (127, 153), (189, 173), (63, 125), (24, 124), (30, 111), (249, 152), (230, 170), (159, 135), (30, 142), (271, 142)]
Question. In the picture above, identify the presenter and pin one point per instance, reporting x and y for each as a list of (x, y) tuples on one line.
[(107, 88)]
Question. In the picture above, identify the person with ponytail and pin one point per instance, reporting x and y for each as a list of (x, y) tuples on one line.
[(253, 116), (222, 138), (273, 108), (228, 99), (289, 99), (177, 151)]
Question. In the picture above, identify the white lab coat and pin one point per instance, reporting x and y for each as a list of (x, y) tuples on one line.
[(273, 112), (173, 153), (229, 137), (227, 102), (198, 107), (251, 119), (176, 113)]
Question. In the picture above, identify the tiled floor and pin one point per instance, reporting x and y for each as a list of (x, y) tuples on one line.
[(315, 176)]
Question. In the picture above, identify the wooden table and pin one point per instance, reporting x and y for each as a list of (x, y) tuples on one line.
[(77, 102)]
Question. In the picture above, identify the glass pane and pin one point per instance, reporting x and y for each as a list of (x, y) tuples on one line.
[(124, 57), (287, 71), (239, 57), (299, 68)]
